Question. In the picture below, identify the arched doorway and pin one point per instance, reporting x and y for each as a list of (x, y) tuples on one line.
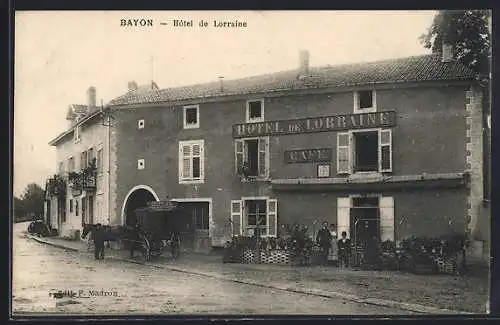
[(137, 198)]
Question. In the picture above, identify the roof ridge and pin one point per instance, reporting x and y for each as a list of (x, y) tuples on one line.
[(319, 67)]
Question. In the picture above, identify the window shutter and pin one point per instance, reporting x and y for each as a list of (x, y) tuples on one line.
[(263, 156), (343, 153), (202, 160), (236, 213), (272, 217), (385, 150), (343, 215), (238, 155), (387, 218), (181, 162)]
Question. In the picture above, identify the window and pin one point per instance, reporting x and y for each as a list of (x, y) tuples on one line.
[(140, 164), (90, 156), (191, 161), (84, 215), (256, 212), (99, 161), (70, 206), (76, 134), (247, 213), (83, 160), (252, 157), (91, 209), (365, 101), (364, 151), (255, 111), (61, 168), (76, 207), (140, 124), (191, 117), (71, 164)]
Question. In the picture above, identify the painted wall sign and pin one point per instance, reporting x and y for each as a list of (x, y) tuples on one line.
[(308, 155), (316, 124)]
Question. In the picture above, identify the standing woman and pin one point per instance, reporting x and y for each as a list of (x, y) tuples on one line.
[(334, 249)]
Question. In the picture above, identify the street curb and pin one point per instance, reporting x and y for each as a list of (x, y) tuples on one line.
[(314, 292)]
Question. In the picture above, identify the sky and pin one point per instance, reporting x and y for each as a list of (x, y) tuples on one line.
[(58, 55)]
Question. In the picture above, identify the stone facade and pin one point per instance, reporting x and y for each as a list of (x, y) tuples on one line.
[(91, 137), (421, 146)]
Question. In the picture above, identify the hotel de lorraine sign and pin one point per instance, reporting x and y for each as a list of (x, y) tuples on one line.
[(316, 124)]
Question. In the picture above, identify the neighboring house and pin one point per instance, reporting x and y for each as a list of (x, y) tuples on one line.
[(82, 146), (389, 148)]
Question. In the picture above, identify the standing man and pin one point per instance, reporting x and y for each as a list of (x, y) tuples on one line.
[(324, 240), (344, 245), (98, 235)]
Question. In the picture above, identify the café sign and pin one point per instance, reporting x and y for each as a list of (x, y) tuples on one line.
[(308, 155), (316, 124)]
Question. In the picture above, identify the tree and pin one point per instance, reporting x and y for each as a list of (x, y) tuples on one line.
[(468, 31), (32, 199), (19, 210)]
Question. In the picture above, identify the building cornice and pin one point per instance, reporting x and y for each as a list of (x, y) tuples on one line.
[(376, 182)]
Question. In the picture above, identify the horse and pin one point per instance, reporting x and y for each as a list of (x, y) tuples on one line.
[(130, 237)]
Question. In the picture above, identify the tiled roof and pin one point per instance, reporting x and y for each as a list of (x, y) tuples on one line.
[(409, 69)]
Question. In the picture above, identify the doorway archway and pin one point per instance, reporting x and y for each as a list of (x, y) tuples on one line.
[(138, 197)]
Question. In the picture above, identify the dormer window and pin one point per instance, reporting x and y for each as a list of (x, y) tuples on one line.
[(255, 111), (191, 117), (365, 101)]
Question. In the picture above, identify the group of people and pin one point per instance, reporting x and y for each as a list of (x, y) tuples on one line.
[(335, 250)]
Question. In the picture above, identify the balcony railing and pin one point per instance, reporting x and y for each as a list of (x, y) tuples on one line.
[(84, 180)]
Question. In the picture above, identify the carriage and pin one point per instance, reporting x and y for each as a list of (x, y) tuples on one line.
[(159, 225)]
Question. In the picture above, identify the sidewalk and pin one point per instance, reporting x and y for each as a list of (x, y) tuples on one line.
[(429, 294)]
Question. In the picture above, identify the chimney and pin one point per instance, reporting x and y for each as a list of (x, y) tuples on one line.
[(304, 64), (221, 78), (447, 52), (132, 85), (91, 101), (70, 116)]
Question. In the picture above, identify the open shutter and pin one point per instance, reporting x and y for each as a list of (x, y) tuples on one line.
[(186, 162), (343, 154), (202, 160), (387, 218), (343, 215), (385, 150), (272, 217), (263, 156), (181, 162), (238, 155), (195, 156), (236, 213)]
